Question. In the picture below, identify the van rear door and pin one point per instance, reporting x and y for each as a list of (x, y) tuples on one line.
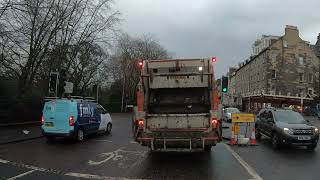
[(56, 116)]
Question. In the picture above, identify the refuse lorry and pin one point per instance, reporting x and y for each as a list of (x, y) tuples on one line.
[(177, 105)]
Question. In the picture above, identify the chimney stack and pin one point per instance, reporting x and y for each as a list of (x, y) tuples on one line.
[(292, 30)]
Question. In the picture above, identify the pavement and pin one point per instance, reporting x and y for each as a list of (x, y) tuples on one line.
[(11, 134), (117, 156)]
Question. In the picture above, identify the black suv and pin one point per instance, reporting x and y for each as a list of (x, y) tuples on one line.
[(286, 127)]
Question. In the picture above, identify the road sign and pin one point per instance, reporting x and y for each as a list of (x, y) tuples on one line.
[(243, 118), (68, 88)]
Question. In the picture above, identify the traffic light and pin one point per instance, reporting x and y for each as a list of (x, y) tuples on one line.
[(62, 80), (53, 82), (224, 84)]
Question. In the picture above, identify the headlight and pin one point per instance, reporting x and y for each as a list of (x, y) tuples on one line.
[(288, 130), (316, 130)]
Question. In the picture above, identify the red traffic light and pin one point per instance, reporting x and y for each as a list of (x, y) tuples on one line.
[(140, 63), (213, 59)]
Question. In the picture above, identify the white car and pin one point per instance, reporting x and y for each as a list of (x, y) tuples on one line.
[(227, 113)]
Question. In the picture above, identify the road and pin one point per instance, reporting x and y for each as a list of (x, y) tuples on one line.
[(116, 156)]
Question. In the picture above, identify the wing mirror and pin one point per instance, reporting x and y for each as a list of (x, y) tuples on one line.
[(270, 121)]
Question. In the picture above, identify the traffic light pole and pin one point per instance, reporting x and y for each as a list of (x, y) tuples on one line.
[(57, 83)]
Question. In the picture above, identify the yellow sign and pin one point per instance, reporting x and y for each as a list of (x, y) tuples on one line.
[(236, 129), (242, 118)]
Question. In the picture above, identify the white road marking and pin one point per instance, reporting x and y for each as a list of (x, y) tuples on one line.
[(21, 175), (91, 176), (120, 156), (133, 142), (250, 170), (3, 161)]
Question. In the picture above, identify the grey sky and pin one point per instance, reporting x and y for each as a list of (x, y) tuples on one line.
[(222, 28)]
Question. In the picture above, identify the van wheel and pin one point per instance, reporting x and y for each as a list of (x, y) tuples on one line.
[(108, 129), (80, 135), (50, 138)]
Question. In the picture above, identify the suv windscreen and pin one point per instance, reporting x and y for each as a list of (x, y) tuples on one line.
[(289, 117)]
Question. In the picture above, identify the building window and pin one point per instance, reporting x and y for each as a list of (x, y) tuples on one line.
[(285, 44), (274, 74), (310, 78), (301, 77), (301, 60)]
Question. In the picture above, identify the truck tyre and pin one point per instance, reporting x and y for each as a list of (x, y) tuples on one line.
[(207, 148), (80, 135)]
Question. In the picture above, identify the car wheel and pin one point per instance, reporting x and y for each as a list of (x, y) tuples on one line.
[(80, 135), (108, 129), (258, 134), (312, 147), (275, 141)]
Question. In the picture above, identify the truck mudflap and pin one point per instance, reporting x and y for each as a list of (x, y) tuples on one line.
[(178, 144)]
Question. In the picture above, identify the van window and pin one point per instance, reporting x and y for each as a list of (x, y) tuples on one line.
[(100, 109)]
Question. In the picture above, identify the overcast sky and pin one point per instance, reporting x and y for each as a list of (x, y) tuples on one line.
[(222, 28)]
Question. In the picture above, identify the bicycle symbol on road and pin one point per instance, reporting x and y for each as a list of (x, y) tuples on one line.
[(122, 157)]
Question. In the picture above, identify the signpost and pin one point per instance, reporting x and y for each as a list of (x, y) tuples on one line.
[(237, 120), (68, 88)]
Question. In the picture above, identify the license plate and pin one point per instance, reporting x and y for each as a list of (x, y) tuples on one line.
[(49, 124), (304, 137)]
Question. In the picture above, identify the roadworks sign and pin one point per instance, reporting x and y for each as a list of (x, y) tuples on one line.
[(243, 118)]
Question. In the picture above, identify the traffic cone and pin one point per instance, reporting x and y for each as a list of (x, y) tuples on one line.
[(232, 139), (253, 140)]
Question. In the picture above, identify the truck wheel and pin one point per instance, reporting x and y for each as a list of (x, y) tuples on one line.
[(80, 135), (207, 148)]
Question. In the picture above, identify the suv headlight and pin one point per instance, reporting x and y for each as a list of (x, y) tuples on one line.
[(316, 130), (288, 130)]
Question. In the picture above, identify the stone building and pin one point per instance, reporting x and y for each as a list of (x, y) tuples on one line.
[(285, 72), (261, 44)]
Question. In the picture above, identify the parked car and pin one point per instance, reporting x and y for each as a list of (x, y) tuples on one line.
[(74, 118), (227, 113), (286, 127)]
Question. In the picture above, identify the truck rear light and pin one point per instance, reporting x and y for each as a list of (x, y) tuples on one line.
[(71, 121), (42, 120), (214, 122), (141, 123)]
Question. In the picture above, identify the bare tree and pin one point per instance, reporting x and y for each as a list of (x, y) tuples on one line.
[(52, 31), (123, 64)]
